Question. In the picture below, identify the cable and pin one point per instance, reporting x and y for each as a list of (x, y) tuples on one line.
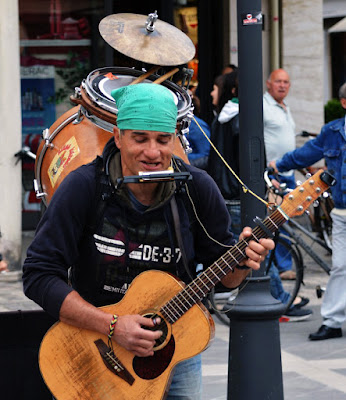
[(244, 187)]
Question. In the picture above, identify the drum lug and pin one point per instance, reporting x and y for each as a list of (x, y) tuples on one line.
[(45, 134), (39, 194), (77, 92), (185, 143), (184, 130), (79, 117), (185, 123), (187, 76), (46, 137)]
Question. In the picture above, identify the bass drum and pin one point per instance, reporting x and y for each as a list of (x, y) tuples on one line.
[(70, 142)]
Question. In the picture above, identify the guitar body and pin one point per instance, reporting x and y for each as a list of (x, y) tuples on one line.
[(73, 368)]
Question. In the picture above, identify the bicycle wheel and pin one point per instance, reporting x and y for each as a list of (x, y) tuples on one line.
[(285, 290)]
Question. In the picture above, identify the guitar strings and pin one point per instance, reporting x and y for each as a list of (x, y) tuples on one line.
[(230, 258)]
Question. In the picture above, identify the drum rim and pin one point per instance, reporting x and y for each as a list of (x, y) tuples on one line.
[(109, 106)]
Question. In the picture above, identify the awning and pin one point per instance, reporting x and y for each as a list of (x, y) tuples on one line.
[(338, 27)]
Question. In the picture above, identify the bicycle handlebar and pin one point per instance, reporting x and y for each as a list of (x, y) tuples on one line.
[(279, 191)]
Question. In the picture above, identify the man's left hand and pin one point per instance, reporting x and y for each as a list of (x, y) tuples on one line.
[(255, 251)]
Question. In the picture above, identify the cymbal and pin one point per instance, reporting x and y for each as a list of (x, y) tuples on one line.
[(166, 45)]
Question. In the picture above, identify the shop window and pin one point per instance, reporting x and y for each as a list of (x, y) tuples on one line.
[(55, 56)]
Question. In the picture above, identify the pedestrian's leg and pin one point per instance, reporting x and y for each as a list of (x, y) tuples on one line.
[(276, 288), (333, 308)]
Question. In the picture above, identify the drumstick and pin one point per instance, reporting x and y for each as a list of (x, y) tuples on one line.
[(166, 76), (142, 77)]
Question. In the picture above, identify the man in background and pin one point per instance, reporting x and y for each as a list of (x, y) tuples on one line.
[(279, 138), (330, 144)]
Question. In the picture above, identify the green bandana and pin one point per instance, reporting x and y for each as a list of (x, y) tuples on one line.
[(146, 106)]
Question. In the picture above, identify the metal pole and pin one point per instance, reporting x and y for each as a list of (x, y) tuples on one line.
[(254, 353)]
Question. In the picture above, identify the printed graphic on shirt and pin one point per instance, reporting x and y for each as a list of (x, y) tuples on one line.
[(130, 247), (144, 252), (113, 289)]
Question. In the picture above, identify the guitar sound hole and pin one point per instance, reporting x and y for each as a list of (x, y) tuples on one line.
[(162, 326), (153, 366)]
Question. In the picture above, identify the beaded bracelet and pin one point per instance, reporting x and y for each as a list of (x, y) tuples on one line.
[(112, 325)]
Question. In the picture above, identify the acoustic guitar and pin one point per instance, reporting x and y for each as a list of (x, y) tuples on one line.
[(77, 364)]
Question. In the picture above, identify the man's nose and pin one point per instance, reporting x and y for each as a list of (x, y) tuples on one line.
[(152, 149)]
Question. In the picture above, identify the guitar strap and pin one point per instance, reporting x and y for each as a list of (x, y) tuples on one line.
[(176, 220)]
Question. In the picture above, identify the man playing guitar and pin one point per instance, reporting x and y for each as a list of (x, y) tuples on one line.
[(135, 232)]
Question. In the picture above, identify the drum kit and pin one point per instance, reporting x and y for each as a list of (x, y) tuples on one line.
[(80, 134)]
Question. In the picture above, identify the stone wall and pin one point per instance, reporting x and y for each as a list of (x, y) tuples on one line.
[(302, 57)]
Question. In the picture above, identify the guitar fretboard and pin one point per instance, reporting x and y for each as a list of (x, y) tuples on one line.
[(202, 285)]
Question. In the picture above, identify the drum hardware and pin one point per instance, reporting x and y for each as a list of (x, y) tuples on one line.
[(39, 195), (107, 126), (97, 104), (185, 143), (184, 130), (187, 76), (46, 138), (79, 117), (153, 42), (150, 24)]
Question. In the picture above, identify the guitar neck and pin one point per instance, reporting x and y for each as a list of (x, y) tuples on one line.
[(202, 285), (293, 205)]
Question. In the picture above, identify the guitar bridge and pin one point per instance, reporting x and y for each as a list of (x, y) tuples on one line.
[(112, 362)]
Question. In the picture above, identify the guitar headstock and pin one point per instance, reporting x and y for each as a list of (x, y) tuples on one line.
[(297, 201)]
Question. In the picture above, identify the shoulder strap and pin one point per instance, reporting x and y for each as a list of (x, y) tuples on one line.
[(176, 221), (192, 191), (103, 193), (104, 188)]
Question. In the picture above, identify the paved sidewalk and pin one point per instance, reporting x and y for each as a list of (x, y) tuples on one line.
[(311, 370)]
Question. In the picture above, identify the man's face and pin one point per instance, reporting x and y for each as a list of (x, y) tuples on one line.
[(147, 151), (278, 85)]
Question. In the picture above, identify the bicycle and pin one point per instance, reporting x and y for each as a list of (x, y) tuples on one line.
[(293, 238), (320, 219)]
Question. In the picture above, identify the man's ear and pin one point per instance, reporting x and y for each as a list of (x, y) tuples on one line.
[(116, 132), (343, 103)]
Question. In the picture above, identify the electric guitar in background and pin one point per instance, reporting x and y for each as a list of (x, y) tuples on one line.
[(77, 364)]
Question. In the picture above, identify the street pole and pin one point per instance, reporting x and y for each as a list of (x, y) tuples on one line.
[(255, 370)]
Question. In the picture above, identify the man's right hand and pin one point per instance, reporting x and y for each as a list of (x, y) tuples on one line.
[(131, 335)]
